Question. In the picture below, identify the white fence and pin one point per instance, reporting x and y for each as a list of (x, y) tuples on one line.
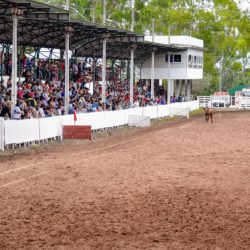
[(1, 133), (243, 102), (34, 130)]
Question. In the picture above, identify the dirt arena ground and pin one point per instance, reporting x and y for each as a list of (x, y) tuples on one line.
[(177, 185)]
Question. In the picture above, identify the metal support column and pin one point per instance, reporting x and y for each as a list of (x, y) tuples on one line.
[(177, 87), (14, 62), (189, 83), (169, 81), (104, 48), (131, 91), (170, 89), (153, 75), (66, 77)]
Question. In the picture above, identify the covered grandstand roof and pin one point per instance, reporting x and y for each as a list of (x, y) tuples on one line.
[(41, 25)]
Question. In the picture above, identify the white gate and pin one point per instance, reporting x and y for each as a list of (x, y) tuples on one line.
[(204, 101), (244, 102), (219, 101), (2, 134)]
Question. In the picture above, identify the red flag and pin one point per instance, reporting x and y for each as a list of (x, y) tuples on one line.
[(75, 117)]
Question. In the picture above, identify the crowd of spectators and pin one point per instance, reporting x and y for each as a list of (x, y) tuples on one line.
[(41, 94)]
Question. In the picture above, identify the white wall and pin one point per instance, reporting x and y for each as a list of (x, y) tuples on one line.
[(177, 70), (180, 40)]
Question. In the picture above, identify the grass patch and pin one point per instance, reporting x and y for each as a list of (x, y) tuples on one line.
[(197, 112)]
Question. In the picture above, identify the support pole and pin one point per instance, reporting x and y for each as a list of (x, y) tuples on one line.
[(104, 12), (14, 62), (169, 84), (93, 13), (169, 81), (67, 5), (131, 92), (133, 16), (170, 89), (189, 83), (177, 87), (66, 77), (104, 48), (153, 75), (2, 58), (153, 62), (220, 77), (186, 89)]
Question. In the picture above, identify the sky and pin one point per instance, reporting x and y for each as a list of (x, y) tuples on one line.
[(245, 4)]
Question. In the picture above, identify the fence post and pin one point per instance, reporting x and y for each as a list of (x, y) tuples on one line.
[(1, 134)]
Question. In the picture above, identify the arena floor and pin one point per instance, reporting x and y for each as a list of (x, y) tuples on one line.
[(177, 185)]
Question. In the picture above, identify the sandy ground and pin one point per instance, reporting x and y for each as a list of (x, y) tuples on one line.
[(180, 185)]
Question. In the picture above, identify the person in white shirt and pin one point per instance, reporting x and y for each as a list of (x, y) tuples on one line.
[(16, 112), (40, 112)]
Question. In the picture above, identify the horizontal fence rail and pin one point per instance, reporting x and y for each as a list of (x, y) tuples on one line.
[(14, 132)]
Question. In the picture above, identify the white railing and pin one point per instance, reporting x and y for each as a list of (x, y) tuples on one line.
[(25, 131)]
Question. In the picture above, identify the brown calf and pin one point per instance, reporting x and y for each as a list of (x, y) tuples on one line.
[(208, 114)]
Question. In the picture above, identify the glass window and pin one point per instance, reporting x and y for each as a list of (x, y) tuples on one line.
[(177, 58), (195, 59), (171, 58), (189, 59)]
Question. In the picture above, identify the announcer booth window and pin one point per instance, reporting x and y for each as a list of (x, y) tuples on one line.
[(174, 58), (177, 58), (171, 58), (190, 61)]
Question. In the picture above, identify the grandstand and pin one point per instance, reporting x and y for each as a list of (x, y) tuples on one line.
[(39, 25), (179, 184)]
